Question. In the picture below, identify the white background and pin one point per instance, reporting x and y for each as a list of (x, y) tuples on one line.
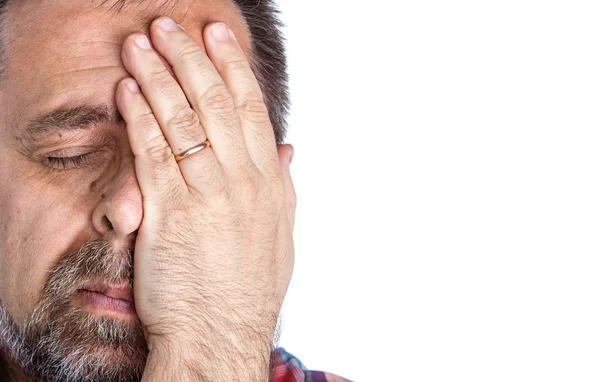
[(447, 172)]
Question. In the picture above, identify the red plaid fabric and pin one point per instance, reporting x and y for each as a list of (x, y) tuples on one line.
[(289, 369)]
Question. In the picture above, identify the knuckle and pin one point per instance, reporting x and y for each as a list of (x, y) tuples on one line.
[(244, 167), (217, 99), (210, 176), (263, 196), (145, 119), (158, 149), (220, 188), (252, 186), (185, 121), (253, 108), (235, 64), (248, 190), (220, 204), (159, 76), (189, 53), (223, 201)]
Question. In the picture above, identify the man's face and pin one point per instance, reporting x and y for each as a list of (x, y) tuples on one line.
[(64, 225)]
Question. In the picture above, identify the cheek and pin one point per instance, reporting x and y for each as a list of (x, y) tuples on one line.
[(39, 223)]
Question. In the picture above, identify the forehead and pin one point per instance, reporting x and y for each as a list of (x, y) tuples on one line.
[(69, 51)]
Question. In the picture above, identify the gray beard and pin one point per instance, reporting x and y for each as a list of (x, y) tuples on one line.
[(62, 342)]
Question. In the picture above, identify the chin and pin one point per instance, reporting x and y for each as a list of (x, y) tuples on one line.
[(75, 344)]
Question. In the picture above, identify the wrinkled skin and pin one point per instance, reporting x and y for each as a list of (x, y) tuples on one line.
[(212, 233)]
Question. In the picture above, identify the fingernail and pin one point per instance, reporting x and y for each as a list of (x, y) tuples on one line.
[(143, 42), (220, 32), (133, 86), (291, 155), (167, 24)]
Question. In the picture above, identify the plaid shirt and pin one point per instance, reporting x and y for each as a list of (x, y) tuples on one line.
[(289, 369)]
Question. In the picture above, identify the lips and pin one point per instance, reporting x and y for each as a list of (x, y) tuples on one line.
[(119, 292)]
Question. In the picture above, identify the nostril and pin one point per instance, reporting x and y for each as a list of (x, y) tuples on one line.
[(108, 223)]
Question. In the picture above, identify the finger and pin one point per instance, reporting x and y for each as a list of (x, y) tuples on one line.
[(157, 172), (286, 154), (233, 66), (178, 121), (207, 93)]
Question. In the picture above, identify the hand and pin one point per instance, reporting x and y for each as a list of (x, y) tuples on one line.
[(214, 254)]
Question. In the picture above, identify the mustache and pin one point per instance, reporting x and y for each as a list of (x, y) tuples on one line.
[(96, 260)]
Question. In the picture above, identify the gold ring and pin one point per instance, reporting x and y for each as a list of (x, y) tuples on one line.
[(193, 150)]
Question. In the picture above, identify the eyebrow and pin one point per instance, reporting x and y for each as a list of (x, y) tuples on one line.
[(72, 118)]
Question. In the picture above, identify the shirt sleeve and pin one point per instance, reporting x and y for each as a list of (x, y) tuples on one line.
[(289, 369)]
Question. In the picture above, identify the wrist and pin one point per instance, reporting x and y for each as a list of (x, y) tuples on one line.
[(170, 365), (219, 357)]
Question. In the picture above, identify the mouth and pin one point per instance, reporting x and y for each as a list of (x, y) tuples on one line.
[(101, 297)]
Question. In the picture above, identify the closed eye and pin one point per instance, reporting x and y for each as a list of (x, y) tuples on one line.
[(65, 163)]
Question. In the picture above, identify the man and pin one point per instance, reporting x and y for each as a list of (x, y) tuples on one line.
[(147, 208)]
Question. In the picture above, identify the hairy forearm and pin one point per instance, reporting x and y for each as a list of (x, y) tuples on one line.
[(182, 362), (165, 368)]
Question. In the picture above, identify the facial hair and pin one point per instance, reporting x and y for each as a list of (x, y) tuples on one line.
[(61, 341)]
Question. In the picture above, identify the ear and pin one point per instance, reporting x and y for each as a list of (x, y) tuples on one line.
[(286, 154)]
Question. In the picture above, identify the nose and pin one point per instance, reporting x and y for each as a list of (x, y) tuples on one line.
[(119, 214)]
